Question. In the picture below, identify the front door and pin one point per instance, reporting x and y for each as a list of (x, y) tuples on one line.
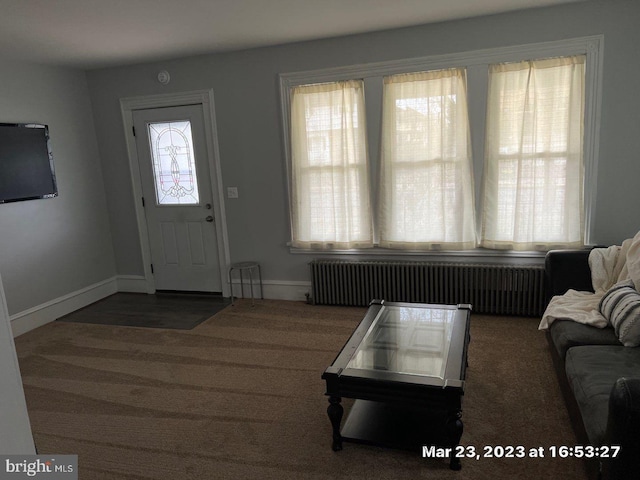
[(178, 196)]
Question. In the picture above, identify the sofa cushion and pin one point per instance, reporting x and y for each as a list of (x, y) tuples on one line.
[(592, 372), (567, 333), (621, 307)]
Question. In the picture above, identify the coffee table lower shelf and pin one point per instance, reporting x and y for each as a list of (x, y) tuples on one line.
[(393, 426)]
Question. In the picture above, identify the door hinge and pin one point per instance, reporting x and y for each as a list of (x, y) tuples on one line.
[(142, 202), (152, 268), (134, 130)]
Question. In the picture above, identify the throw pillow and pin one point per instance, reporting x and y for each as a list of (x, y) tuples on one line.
[(621, 307)]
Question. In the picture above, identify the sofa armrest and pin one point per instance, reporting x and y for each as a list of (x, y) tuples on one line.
[(623, 429), (566, 269)]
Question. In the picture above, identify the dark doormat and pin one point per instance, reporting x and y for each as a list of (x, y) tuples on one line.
[(176, 311)]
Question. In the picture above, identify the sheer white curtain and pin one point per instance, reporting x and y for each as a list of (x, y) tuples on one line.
[(426, 194), (533, 180), (330, 187)]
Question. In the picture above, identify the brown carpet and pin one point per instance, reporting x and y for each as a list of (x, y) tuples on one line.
[(240, 397)]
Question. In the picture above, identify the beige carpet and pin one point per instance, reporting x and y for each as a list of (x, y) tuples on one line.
[(240, 397)]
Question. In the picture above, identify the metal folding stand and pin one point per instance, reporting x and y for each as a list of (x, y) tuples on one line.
[(248, 267)]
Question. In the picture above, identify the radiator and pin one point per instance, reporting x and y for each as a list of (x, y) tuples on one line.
[(489, 288)]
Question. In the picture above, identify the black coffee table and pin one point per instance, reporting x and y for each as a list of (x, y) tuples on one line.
[(405, 364)]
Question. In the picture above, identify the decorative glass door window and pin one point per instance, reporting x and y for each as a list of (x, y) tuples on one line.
[(173, 161)]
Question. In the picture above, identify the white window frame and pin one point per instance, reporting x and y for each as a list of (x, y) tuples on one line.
[(591, 46)]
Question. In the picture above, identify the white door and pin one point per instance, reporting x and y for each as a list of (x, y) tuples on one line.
[(178, 198)]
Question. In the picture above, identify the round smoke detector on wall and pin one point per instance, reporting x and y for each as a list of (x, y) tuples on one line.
[(163, 77)]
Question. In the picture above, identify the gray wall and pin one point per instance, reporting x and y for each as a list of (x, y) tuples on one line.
[(52, 248), (247, 108)]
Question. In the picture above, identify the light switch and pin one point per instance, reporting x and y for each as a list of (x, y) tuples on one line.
[(232, 192)]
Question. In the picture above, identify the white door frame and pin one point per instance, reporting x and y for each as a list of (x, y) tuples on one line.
[(198, 97)]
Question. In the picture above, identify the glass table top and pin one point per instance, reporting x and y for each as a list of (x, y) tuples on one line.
[(407, 340)]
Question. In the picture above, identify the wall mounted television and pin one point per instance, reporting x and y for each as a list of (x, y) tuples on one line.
[(26, 163)]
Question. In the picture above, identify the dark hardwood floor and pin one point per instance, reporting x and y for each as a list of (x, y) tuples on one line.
[(172, 310)]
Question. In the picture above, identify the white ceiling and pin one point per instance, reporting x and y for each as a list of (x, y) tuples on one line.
[(99, 33)]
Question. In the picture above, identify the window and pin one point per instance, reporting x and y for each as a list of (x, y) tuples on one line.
[(330, 187), (426, 197), (449, 153), (174, 169), (533, 177)]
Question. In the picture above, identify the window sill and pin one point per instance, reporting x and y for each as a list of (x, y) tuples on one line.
[(475, 255)]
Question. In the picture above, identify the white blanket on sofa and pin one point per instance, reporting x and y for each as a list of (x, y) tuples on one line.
[(609, 266)]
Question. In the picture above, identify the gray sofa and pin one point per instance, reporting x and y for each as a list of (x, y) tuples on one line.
[(600, 378)]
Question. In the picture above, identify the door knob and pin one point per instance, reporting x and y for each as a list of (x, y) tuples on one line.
[(209, 218)]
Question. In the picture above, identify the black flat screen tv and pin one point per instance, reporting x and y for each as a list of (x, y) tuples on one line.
[(26, 163)]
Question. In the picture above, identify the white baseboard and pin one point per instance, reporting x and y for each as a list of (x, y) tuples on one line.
[(48, 312), (286, 290), (273, 289), (276, 289), (132, 283)]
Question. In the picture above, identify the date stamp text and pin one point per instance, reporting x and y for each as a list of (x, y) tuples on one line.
[(519, 451)]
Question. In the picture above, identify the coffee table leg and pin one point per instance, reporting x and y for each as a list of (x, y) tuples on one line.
[(335, 411), (454, 432)]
